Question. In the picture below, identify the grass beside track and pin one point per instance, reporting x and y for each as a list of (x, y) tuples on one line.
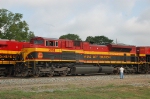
[(102, 92)]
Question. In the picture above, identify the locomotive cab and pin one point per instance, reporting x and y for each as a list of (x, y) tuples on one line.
[(47, 42)]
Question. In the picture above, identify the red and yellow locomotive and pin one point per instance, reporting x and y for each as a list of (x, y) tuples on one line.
[(143, 54), (49, 56), (9, 50)]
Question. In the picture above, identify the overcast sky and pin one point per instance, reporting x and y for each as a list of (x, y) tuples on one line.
[(127, 21)]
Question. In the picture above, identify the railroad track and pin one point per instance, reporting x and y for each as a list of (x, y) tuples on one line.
[(77, 76)]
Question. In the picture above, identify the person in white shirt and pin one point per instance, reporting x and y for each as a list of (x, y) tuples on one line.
[(121, 72)]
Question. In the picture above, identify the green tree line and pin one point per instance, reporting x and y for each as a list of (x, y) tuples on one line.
[(12, 27), (100, 40)]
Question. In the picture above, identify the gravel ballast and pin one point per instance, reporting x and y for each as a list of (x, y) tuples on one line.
[(62, 83)]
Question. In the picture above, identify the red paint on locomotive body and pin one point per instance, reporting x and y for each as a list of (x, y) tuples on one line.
[(11, 45), (143, 53), (9, 48), (143, 50)]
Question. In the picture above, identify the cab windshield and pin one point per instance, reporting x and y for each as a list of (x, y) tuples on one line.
[(38, 42)]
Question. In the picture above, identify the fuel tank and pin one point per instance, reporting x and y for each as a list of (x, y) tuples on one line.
[(88, 69), (106, 69)]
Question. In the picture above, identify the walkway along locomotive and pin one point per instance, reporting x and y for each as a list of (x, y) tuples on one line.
[(49, 56)]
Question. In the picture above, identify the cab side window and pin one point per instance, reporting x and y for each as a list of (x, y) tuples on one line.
[(52, 43)]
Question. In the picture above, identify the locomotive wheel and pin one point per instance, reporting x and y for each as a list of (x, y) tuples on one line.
[(24, 74), (64, 73), (50, 74), (37, 73), (116, 72)]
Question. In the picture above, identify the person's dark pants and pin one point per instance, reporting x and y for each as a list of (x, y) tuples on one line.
[(121, 75)]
